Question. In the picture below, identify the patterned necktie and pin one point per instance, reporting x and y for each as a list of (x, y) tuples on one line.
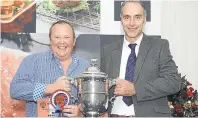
[(130, 67)]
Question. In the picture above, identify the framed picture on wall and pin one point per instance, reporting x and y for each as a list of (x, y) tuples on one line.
[(18, 16)]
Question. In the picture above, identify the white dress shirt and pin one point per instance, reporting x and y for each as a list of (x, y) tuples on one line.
[(119, 107)]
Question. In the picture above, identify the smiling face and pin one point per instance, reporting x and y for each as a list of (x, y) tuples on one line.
[(62, 41), (133, 20)]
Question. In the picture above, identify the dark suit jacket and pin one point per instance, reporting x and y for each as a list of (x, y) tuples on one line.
[(155, 75)]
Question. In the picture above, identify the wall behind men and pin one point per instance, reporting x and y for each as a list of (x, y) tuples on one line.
[(179, 25)]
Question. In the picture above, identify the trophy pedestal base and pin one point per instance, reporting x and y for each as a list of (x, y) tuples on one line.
[(92, 114)]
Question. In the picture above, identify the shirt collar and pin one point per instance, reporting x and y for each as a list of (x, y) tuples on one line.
[(138, 41)]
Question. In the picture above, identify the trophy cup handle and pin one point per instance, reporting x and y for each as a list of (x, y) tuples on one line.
[(112, 84), (74, 100)]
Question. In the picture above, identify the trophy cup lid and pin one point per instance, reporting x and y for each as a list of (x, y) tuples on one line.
[(93, 71)]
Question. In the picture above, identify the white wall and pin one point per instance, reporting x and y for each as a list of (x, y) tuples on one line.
[(180, 26)]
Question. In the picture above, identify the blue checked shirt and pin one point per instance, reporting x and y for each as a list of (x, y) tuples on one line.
[(38, 70)]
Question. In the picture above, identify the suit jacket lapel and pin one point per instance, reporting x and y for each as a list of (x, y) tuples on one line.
[(143, 51), (116, 59)]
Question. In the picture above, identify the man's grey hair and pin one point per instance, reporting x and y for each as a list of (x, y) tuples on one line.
[(133, 1)]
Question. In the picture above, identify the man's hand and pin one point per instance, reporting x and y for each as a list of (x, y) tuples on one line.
[(124, 88), (73, 111), (60, 83)]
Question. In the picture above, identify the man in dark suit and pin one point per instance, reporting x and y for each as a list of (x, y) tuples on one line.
[(146, 71)]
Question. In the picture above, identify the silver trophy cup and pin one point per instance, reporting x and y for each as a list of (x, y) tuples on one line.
[(93, 87)]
